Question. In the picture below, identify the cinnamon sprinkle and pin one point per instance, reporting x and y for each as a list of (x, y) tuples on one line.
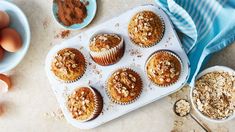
[(63, 34), (71, 11)]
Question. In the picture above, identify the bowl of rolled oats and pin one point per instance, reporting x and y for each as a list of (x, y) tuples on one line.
[(213, 94)]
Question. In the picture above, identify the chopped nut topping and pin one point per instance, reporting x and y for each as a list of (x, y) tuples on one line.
[(146, 28), (214, 94), (163, 68), (126, 86), (80, 103), (133, 79), (132, 94), (103, 42), (68, 64)]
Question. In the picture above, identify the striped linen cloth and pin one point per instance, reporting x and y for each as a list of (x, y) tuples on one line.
[(203, 26)]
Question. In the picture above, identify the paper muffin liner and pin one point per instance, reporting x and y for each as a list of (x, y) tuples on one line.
[(110, 56), (98, 104), (161, 35), (168, 52), (119, 102), (71, 81)]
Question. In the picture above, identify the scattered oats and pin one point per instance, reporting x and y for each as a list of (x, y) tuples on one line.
[(178, 123), (57, 115)]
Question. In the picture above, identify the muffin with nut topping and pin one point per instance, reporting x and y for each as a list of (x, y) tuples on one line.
[(124, 86), (146, 29), (106, 49), (68, 65), (163, 68), (85, 104)]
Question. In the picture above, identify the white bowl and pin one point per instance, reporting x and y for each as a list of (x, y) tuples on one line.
[(19, 22), (208, 70)]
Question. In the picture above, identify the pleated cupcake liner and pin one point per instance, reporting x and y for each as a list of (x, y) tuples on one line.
[(119, 102), (168, 52), (109, 56), (98, 104)]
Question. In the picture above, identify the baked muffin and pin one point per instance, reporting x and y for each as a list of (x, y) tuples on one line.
[(106, 49), (85, 104), (124, 86), (68, 65), (146, 29), (163, 68)]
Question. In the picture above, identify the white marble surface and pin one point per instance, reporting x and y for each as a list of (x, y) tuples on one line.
[(29, 105)]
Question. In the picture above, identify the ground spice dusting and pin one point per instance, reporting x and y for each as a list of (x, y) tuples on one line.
[(71, 11), (63, 34)]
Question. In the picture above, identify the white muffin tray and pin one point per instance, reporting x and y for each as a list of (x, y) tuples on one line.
[(134, 57)]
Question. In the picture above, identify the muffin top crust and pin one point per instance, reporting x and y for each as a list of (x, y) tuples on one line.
[(163, 68), (81, 103), (124, 85), (68, 64), (146, 28), (103, 42)]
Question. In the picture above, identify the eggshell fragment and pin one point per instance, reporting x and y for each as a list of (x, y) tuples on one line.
[(1, 53), (10, 40), (4, 19), (5, 83)]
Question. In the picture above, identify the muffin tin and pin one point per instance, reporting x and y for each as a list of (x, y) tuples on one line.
[(134, 57)]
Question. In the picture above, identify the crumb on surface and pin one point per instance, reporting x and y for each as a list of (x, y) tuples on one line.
[(63, 34), (57, 115)]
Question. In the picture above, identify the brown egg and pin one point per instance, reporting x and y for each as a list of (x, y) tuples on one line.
[(5, 83), (4, 19), (1, 53), (10, 40)]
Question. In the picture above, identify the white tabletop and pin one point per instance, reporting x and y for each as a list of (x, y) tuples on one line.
[(31, 106)]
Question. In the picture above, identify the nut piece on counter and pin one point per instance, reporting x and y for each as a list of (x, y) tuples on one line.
[(214, 95)]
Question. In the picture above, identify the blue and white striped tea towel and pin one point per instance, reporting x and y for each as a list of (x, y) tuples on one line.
[(204, 27)]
